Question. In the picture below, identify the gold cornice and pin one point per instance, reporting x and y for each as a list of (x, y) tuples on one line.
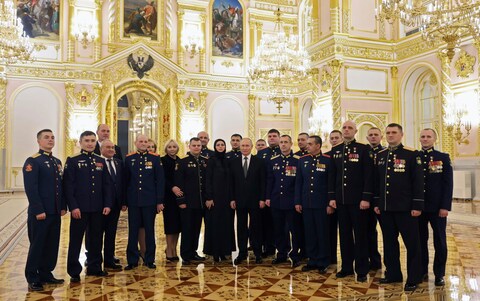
[(54, 72), (3, 112)]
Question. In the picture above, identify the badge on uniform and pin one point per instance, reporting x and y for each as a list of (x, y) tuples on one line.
[(435, 166), (28, 168), (290, 171), (419, 161), (321, 167), (276, 167), (353, 157), (99, 166), (399, 165), (148, 165), (60, 171), (48, 163)]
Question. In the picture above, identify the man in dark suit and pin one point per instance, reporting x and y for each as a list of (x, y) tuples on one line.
[(42, 176), (115, 169), (248, 198), (438, 201), (103, 132), (87, 189)]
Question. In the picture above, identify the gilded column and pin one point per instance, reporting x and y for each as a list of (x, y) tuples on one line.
[(69, 142), (180, 15), (98, 40), (251, 116), (259, 32), (296, 121), (202, 109), (169, 27), (345, 16), (336, 66), (447, 140), (335, 16), (180, 94), (396, 109), (3, 112), (251, 26), (315, 22), (203, 52), (71, 40)]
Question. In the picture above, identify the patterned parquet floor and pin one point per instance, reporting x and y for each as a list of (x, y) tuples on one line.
[(223, 281)]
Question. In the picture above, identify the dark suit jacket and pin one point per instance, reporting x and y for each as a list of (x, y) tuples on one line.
[(118, 184), (118, 152), (247, 192)]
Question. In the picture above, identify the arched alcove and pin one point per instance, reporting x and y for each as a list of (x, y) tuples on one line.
[(226, 118)]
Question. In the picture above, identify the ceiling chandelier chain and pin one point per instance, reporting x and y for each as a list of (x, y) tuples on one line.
[(447, 21)]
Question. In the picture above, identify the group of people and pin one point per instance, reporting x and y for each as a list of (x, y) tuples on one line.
[(286, 204)]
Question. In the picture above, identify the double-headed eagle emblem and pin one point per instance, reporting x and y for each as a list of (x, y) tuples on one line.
[(140, 63)]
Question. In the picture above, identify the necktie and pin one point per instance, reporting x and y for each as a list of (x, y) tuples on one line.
[(245, 166), (110, 167)]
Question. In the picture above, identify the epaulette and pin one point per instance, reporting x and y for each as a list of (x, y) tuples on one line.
[(325, 155), (274, 157), (129, 154), (204, 157), (360, 143), (296, 156), (386, 148), (155, 154), (97, 155), (75, 155), (305, 155), (409, 148), (35, 155)]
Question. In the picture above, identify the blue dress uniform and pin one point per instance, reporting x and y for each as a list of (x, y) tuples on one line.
[(333, 228), (268, 238), (372, 233), (399, 189), (301, 152), (190, 177), (281, 175), (42, 177), (145, 185), (438, 195), (314, 179), (234, 153), (87, 186), (207, 153), (353, 169)]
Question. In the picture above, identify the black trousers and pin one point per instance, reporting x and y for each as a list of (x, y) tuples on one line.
[(93, 221), (352, 225), (333, 223), (439, 227), (44, 237), (284, 225), (243, 229), (137, 217), (191, 224), (110, 232), (268, 237), (317, 237), (372, 237), (404, 223), (298, 242)]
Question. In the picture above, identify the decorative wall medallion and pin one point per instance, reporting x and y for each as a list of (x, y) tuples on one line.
[(464, 64), (227, 64), (140, 63), (83, 98), (191, 103)]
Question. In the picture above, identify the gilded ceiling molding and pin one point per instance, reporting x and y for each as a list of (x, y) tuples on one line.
[(413, 47), (336, 66), (447, 140), (251, 116), (212, 85), (3, 112), (54, 72)]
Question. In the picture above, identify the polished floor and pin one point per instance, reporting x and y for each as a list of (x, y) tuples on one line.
[(223, 281)]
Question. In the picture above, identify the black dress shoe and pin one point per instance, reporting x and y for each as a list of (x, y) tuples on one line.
[(116, 260), (130, 267), (258, 260), (75, 279), (307, 268), (295, 263), (113, 266), (361, 278), (410, 287), (439, 281), (35, 286), (198, 258), (375, 267), (343, 274), (322, 270), (238, 260), (279, 260), (389, 280), (172, 259), (151, 266), (53, 280), (97, 273)]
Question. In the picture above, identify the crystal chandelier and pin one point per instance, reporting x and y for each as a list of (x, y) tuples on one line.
[(14, 45), (280, 63), (449, 21)]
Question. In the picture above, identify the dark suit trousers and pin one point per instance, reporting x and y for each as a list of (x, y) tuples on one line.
[(372, 237), (268, 237), (439, 227), (191, 224), (110, 232), (298, 241), (255, 229), (93, 221), (44, 237), (333, 223), (394, 223), (317, 237), (138, 216), (352, 225)]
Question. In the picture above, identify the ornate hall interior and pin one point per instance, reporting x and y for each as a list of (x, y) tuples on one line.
[(172, 68)]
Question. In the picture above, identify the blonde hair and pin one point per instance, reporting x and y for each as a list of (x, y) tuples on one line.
[(154, 144), (174, 143)]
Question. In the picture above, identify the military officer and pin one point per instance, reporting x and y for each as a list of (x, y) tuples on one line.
[(374, 137), (260, 144), (302, 140), (314, 180), (280, 193), (399, 201), (351, 198), (190, 178), (87, 187), (145, 191), (335, 138), (204, 139), (235, 143), (438, 201), (42, 177)]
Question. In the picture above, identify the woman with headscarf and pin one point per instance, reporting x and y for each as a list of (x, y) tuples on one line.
[(219, 232)]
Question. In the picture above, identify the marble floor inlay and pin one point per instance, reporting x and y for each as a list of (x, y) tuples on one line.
[(224, 281)]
